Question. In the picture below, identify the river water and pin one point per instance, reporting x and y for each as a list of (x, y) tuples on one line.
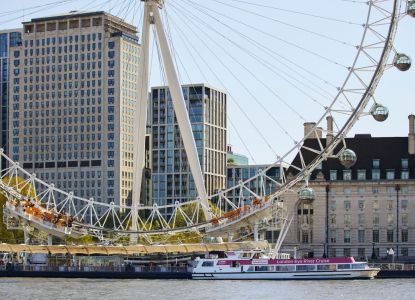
[(74, 289)]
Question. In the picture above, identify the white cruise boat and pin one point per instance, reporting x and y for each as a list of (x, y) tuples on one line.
[(253, 265)]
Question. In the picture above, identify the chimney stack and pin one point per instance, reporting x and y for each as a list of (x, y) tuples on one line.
[(411, 135), (329, 135), (310, 127)]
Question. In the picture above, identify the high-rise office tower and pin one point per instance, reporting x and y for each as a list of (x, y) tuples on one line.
[(171, 176), (8, 39), (75, 86)]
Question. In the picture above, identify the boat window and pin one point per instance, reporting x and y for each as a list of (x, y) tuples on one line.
[(358, 266), (207, 264), (306, 268), (285, 268), (235, 264), (343, 267), (250, 269), (323, 267), (261, 268)]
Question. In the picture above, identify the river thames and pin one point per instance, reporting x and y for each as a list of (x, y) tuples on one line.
[(74, 289)]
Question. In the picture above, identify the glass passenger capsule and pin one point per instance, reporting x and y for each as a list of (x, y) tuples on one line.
[(402, 62), (411, 8), (348, 158), (379, 112), (306, 194)]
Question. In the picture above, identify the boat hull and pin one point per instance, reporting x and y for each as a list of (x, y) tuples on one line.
[(313, 275)]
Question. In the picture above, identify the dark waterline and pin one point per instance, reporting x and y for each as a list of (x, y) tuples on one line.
[(74, 289)]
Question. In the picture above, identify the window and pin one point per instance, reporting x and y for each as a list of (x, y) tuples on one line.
[(375, 219), (361, 252), (375, 174), (347, 252), (361, 204), (375, 204), (404, 235), (375, 163), (333, 219), (333, 204), (207, 264), (347, 175), (404, 163), (347, 219), (404, 175), (361, 191), (375, 236), (389, 204), (333, 174), (361, 174), (404, 251), (390, 174), (347, 204), (333, 236), (361, 236), (390, 219), (389, 236), (347, 236), (361, 219), (404, 203)]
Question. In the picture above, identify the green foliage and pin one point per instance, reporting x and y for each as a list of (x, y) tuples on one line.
[(84, 240), (8, 236)]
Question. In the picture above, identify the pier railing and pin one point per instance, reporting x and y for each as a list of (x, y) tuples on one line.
[(108, 269)]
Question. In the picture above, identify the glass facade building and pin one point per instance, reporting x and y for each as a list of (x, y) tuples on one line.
[(72, 103), (171, 177), (8, 39), (238, 173)]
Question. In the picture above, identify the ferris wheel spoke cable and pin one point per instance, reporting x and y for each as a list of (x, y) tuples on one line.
[(318, 34), (36, 11), (236, 78), (196, 63), (272, 67), (28, 9), (300, 67), (270, 51), (273, 36), (188, 45), (300, 12), (232, 57)]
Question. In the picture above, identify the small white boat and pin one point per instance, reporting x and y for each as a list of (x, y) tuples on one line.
[(251, 265)]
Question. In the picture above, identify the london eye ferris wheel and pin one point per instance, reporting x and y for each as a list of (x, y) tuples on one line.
[(280, 65)]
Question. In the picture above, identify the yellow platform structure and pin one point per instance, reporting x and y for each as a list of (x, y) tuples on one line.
[(132, 250)]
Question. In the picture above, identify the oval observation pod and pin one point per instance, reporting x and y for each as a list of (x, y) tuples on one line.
[(306, 194), (411, 8), (402, 62), (379, 112), (348, 158)]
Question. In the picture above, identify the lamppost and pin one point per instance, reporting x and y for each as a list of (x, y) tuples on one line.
[(326, 244), (397, 189), (373, 252)]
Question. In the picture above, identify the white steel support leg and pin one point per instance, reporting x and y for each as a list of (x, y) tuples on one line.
[(140, 121), (181, 114)]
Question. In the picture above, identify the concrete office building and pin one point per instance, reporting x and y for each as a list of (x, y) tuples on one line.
[(71, 116), (8, 39), (361, 211), (171, 176)]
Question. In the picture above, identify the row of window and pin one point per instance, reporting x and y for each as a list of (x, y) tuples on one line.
[(361, 175), (361, 204), (67, 39), (347, 219), (362, 237)]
